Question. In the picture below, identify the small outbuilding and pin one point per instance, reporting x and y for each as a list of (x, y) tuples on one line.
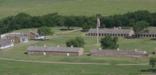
[(36, 36), (119, 53), (17, 37), (5, 43), (57, 51), (149, 33)]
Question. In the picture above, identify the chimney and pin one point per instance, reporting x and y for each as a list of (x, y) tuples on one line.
[(135, 50), (119, 27), (118, 49), (71, 46), (58, 46), (45, 45), (115, 28), (100, 49), (145, 52), (12, 41)]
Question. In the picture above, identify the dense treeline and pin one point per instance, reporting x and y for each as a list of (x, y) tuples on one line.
[(23, 20)]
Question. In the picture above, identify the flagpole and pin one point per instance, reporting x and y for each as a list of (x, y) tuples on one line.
[(97, 28), (97, 35)]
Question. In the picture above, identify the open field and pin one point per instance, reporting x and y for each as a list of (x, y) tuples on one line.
[(25, 68), (128, 44), (60, 37), (13, 61), (74, 7)]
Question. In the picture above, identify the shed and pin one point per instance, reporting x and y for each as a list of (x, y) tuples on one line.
[(5, 43), (17, 38)]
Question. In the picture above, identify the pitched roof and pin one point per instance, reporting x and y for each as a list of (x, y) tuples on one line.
[(111, 30), (55, 49), (119, 52), (17, 35), (150, 30), (11, 36), (5, 42)]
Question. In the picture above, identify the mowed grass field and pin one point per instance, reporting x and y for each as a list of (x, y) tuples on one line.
[(13, 61), (25, 68), (60, 38), (74, 7)]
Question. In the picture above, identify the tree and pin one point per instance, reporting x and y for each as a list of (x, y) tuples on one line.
[(69, 22), (140, 26), (77, 42), (23, 20), (86, 27), (45, 31), (109, 42), (152, 61), (36, 21)]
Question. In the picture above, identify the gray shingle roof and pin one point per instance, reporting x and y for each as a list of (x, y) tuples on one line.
[(4, 42), (17, 35), (111, 30), (54, 49), (119, 53), (151, 30)]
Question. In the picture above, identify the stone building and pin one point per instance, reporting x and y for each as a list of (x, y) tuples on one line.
[(116, 32), (58, 51), (149, 33), (17, 38), (119, 53), (121, 32), (5, 43), (35, 36)]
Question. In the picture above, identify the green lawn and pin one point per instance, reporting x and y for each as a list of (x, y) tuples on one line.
[(140, 44), (23, 68), (17, 53), (60, 38), (74, 7), (126, 44)]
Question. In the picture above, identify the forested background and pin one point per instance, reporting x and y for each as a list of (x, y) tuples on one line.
[(23, 20)]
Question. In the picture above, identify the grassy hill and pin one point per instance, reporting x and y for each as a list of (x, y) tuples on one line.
[(74, 7)]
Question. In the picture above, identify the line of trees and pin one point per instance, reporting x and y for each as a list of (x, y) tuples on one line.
[(23, 20)]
